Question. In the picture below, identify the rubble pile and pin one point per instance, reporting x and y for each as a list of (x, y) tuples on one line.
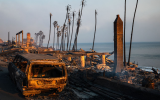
[(74, 65), (109, 61), (94, 67), (136, 76), (131, 74), (103, 67)]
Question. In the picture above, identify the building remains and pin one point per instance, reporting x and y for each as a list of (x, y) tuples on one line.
[(118, 44)]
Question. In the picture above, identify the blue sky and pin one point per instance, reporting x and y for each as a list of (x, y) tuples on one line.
[(33, 16)]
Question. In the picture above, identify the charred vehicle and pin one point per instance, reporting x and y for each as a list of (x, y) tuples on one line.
[(37, 73)]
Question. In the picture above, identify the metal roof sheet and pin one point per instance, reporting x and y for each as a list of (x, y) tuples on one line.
[(31, 56)]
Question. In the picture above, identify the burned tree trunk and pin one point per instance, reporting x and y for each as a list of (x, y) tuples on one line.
[(132, 34), (72, 31), (95, 29), (49, 30)]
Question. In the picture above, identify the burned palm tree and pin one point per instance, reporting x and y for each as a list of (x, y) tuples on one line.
[(40, 38), (68, 10), (77, 30), (62, 30), (49, 31), (66, 33), (36, 38), (78, 22), (124, 34), (57, 38), (58, 35), (62, 39), (69, 23), (132, 34), (95, 29), (83, 4), (55, 25), (72, 29), (43, 37), (78, 25)]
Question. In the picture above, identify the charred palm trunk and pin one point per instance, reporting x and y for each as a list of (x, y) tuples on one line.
[(95, 29), (72, 31), (132, 33), (62, 39), (58, 35), (75, 41), (61, 47), (57, 42), (79, 19), (49, 31), (55, 25), (79, 25), (77, 30), (57, 39), (54, 38), (68, 34)]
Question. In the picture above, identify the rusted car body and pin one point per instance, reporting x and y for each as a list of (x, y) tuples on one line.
[(37, 73)]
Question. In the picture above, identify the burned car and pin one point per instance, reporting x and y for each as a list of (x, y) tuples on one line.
[(37, 73)]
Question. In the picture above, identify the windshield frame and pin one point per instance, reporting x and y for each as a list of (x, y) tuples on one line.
[(47, 63)]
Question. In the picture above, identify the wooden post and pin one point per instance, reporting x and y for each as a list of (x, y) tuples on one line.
[(28, 40), (82, 61), (88, 60), (118, 45), (16, 40), (103, 59), (69, 58)]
